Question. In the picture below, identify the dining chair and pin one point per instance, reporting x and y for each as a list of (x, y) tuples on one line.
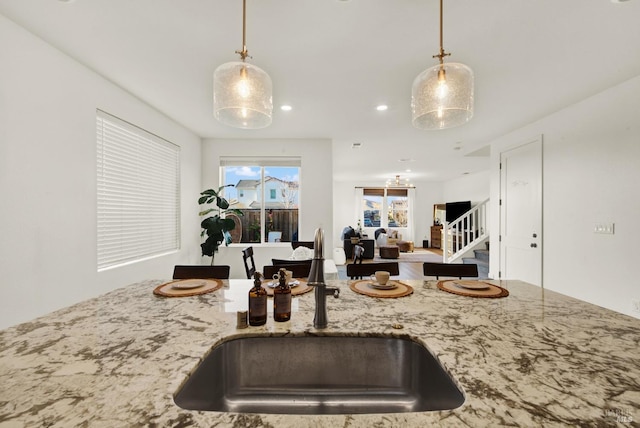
[(299, 270), (277, 262), (459, 270), (358, 271), (296, 244), (201, 272), (249, 263)]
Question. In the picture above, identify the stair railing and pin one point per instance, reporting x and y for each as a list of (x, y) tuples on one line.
[(464, 233)]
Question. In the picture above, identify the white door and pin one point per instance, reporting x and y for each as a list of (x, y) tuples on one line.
[(521, 213)]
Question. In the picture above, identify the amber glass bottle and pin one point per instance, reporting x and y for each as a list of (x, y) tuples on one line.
[(257, 302), (282, 299)]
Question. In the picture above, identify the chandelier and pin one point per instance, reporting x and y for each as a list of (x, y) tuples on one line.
[(398, 182), (442, 96), (241, 91)]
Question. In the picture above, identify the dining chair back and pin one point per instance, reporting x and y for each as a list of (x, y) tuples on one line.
[(299, 270), (200, 272), (277, 262), (296, 244), (458, 270), (249, 263), (358, 271)]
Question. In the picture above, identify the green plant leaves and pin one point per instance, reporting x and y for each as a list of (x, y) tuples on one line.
[(222, 203), (216, 227)]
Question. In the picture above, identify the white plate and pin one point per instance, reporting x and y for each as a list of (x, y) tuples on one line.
[(388, 286), (472, 285), (187, 285), (274, 284)]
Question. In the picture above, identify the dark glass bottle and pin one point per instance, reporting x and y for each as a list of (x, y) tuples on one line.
[(257, 302), (282, 299)]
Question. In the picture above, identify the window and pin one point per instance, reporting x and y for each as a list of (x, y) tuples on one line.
[(267, 191), (372, 207), (397, 207), (384, 207), (138, 192)]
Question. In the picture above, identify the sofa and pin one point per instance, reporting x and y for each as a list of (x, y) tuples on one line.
[(386, 238)]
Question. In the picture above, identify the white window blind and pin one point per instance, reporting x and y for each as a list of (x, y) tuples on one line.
[(138, 190)]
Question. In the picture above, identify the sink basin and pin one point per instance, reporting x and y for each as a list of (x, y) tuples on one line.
[(319, 375)]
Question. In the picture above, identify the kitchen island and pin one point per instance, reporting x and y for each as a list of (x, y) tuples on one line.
[(534, 358)]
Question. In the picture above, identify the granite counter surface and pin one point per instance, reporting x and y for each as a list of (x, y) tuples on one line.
[(535, 358)]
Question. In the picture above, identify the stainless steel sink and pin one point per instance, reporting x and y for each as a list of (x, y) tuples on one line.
[(319, 375)]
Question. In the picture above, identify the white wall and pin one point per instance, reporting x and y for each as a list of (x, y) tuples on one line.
[(316, 203), (591, 174), (48, 107), (471, 187)]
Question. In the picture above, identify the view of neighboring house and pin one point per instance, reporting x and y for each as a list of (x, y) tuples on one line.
[(396, 212), (278, 193)]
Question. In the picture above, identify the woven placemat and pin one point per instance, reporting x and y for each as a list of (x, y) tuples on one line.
[(301, 288), (363, 287), (472, 288), (170, 289)]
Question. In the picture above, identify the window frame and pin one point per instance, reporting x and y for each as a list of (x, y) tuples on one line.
[(264, 163), (385, 210)]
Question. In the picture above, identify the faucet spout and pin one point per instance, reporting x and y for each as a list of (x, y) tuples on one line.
[(316, 273), (316, 279)]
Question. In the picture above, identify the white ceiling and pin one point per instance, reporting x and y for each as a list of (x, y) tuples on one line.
[(334, 61)]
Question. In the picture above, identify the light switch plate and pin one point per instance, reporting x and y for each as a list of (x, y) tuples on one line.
[(604, 228)]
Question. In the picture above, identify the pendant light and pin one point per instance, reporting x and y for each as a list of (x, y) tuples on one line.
[(241, 91), (442, 96)]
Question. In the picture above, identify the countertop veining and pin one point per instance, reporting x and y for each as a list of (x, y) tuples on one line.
[(535, 358)]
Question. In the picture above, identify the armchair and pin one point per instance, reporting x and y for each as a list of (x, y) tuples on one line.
[(387, 238)]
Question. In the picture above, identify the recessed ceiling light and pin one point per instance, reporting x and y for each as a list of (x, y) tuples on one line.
[(285, 107), (382, 107), (407, 170), (406, 160)]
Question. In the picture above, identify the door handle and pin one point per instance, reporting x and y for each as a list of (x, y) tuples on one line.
[(534, 245)]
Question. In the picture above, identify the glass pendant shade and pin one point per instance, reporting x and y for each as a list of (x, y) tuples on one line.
[(242, 96), (442, 96)]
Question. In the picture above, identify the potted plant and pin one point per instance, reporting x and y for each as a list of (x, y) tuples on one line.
[(216, 227)]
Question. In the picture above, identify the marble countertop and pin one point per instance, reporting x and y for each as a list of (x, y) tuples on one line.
[(534, 358)]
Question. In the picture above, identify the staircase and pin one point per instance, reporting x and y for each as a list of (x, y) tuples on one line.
[(480, 258), (466, 233)]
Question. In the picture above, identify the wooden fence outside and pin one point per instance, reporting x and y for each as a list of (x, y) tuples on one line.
[(277, 220)]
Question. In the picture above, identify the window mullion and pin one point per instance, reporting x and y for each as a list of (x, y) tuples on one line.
[(263, 216)]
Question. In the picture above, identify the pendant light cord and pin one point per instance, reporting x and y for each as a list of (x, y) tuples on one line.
[(244, 53), (442, 53)]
